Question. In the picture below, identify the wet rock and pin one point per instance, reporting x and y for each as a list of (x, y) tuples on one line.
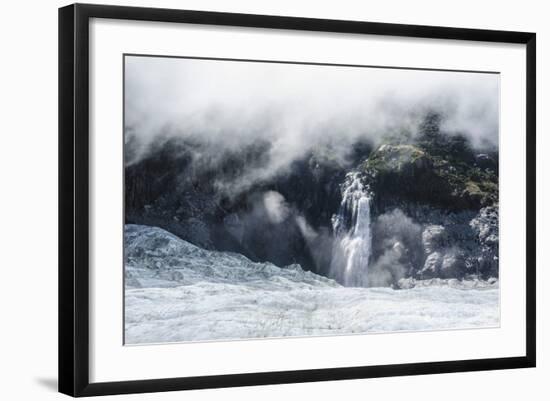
[(485, 224), (452, 265), (443, 264), (433, 237), (432, 265), (485, 227)]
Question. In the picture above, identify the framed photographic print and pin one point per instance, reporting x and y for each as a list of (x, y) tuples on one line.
[(250, 199)]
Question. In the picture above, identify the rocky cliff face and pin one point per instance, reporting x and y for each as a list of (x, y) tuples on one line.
[(447, 193), (176, 188), (434, 204)]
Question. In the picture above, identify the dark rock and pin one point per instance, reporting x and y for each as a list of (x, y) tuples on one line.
[(434, 237), (434, 208)]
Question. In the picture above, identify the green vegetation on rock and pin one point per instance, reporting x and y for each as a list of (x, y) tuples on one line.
[(439, 169)]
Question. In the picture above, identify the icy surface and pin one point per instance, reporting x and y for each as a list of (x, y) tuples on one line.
[(176, 291)]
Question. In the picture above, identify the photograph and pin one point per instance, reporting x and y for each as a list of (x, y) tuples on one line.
[(270, 198), (275, 201)]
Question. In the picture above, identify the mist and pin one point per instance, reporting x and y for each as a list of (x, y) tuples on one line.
[(397, 243), (226, 106)]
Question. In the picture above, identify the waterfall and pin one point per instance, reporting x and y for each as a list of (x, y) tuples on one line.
[(352, 233)]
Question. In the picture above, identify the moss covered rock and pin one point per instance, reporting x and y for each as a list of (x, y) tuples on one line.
[(415, 173)]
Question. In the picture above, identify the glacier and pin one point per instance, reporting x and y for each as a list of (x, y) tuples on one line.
[(177, 292)]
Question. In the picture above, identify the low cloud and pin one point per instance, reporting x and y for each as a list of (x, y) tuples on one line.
[(225, 106)]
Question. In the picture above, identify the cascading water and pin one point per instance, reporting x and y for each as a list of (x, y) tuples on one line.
[(353, 239)]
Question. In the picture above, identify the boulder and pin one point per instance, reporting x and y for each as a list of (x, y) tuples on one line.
[(444, 264), (485, 228), (452, 264), (433, 238), (432, 265)]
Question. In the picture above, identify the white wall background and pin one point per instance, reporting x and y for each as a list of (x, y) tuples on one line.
[(28, 200)]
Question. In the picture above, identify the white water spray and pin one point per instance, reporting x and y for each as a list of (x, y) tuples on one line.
[(353, 239)]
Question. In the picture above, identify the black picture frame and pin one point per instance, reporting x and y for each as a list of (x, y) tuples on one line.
[(74, 198)]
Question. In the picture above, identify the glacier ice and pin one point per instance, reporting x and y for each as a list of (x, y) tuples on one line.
[(176, 291)]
